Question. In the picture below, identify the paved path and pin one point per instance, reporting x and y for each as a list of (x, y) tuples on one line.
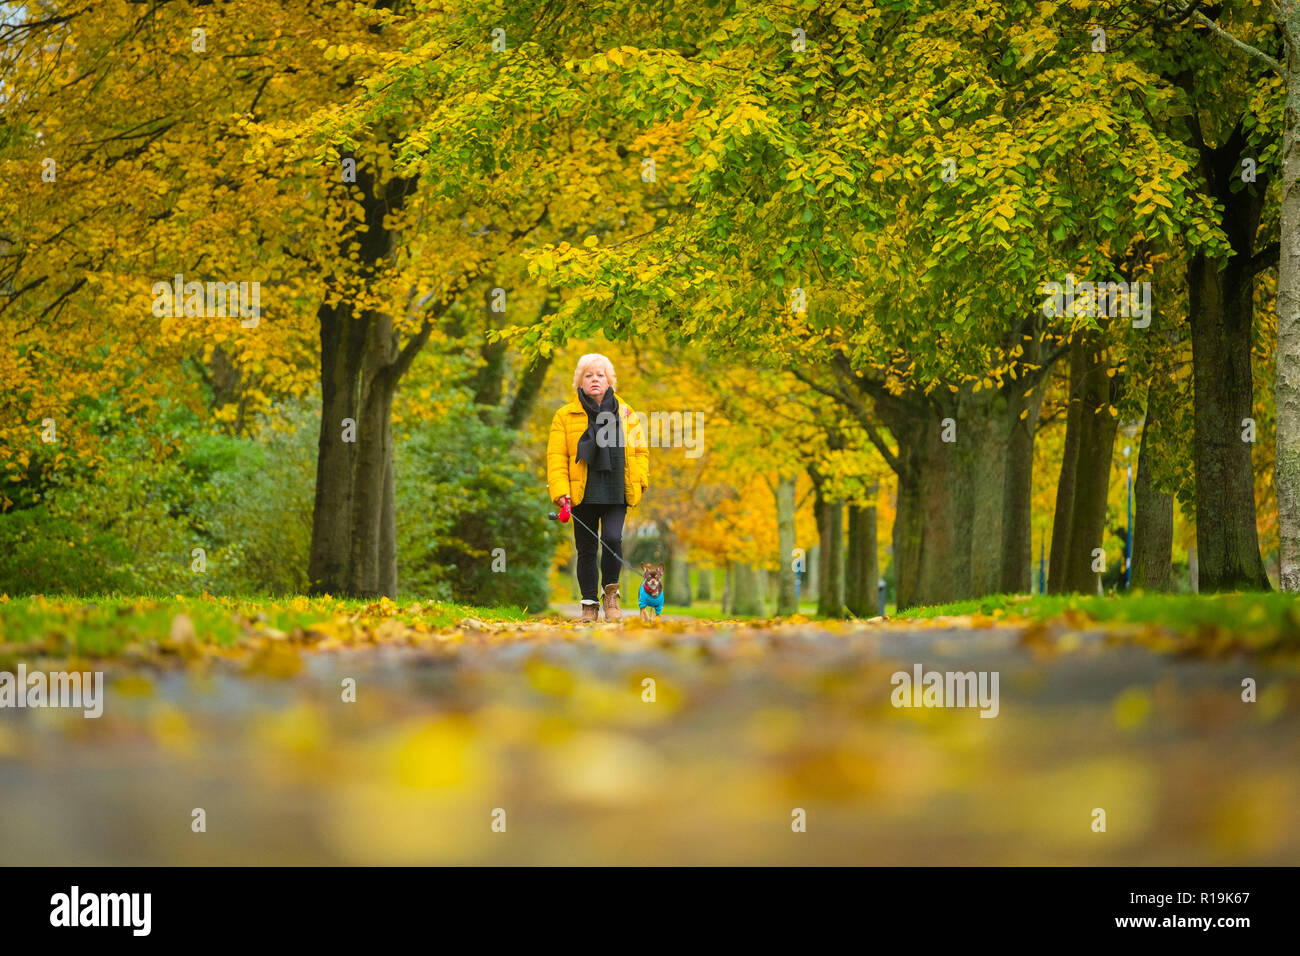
[(551, 729), (630, 610)]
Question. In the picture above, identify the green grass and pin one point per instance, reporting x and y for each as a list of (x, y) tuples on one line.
[(704, 611), (1268, 613), (103, 625), (712, 611)]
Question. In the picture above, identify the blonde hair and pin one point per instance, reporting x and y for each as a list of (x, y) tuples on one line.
[(595, 358)]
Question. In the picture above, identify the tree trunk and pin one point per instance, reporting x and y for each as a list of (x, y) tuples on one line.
[(1226, 538), (830, 527), (925, 529), (861, 572), (373, 464), (1097, 427), (785, 600), (952, 495), (834, 597), (1057, 570), (852, 562), (488, 382), (353, 549), (982, 451), (530, 386), (534, 374), (746, 599), (821, 515), (342, 339), (813, 574), (677, 578), (388, 521), (1016, 557), (1153, 520), (1016, 560), (1221, 306), (704, 587), (1286, 475)]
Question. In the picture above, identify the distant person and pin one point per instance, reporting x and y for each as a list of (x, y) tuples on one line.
[(597, 458)]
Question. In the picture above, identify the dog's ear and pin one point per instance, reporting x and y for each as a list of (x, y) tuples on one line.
[(644, 566), (661, 569)]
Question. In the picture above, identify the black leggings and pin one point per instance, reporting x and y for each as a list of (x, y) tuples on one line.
[(608, 520)]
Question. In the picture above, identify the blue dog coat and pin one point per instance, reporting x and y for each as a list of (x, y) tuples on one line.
[(645, 600)]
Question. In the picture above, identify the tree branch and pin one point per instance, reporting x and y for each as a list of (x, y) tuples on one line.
[(1265, 258), (1198, 17)]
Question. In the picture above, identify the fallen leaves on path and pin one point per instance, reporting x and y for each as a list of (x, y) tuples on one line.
[(675, 741)]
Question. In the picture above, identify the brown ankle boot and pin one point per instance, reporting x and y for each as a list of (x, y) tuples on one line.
[(590, 612), (612, 612)]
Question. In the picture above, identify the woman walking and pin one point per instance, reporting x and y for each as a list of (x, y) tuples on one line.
[(598, 458)]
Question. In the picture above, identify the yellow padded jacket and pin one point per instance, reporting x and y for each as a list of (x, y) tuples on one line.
[(566, 476)]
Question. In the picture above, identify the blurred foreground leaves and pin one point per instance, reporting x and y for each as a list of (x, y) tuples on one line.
[(553, 723)]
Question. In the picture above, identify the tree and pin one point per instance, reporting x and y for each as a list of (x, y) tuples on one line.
[(820, 173), (1232, 128)]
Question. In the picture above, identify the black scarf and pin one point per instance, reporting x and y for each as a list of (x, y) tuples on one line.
[(589, 450)]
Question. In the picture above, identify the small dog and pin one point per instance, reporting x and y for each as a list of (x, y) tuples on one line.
[(651, 594)]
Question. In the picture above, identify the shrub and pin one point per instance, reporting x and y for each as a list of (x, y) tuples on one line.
[(462, 493)]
